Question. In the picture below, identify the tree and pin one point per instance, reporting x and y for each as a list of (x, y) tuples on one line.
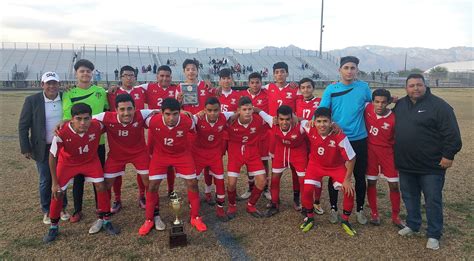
[(408, 72), (439, 72)]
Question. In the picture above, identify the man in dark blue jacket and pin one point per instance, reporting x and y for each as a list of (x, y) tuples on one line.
[(426, 139)]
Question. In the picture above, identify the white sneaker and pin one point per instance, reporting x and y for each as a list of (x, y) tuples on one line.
[(46, 219), (159, 224), (432, 243), (333, 216), (318, 209), (246, 195), (65, 216), (361, 218), (267, 194), (405, 232), (96, 227)]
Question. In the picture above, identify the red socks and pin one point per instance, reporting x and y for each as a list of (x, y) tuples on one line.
[(151, 201), (256, 193), (220, 189), (395, 200), (296, 182), (275, 189), (170, 176), (103, 201), (232, 195), (193, 198), (372, 199), (347, 206), (117, 188), (55, 208)]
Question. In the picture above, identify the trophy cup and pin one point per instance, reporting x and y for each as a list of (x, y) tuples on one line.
[(177, 235), (190, 94)]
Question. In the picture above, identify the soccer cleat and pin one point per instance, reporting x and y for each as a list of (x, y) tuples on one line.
[(209, 199), (65, 216), (142, 202), (374, 219), (51, 236), (333, 216), (252, 210), (76, 217), (406, 232), (348, 228), (220, 214), (361, 217), (318, 209), (159, 224), (46, 219), (245, 196), (198, 224), (397, 222), (116, 207), (145, 228), (432, 244), (273, 210), (307, 224), (231, 211), (96, 227), (267, 194), (172, 195), (109, 229)]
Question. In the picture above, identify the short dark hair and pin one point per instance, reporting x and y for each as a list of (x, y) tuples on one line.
[(322, 112), (244, 100), (80, 108), (124, 97), (225, 73), (381, 92), (306, 80), (280, 65), (83, 62), (164, 68), (348, 59), (127, 68), (191, 61), (255, 75), (285, 110), (212, 100), (171, 104), (415, 76)]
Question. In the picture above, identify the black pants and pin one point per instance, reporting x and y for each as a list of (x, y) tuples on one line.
[(360, 169), (78, 186)]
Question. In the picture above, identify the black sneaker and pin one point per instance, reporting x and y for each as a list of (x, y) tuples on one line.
[(109, 229), (51, 236), (273, 210)]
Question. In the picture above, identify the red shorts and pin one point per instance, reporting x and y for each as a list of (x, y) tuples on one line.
[(380, 161), (244, 155), (297, 157), (182, 163), (264, 146), (92, 172), (114, 168), (315, 174), (211, 159)]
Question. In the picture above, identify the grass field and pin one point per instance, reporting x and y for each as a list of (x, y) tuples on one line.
[(21, 228)]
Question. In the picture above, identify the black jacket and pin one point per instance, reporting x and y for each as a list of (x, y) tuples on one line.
[(424, 133)]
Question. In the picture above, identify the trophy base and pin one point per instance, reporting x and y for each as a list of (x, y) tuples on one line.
[(177, 236)]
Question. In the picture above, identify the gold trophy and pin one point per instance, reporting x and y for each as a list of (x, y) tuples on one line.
[(177, 236)]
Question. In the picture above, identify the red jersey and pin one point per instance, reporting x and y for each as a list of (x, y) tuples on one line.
[(305, 109), (260, 100), (380, 129), (278, 97), (248, 134), (231, 101), (138, 94), (293, 138), (169, 140), (155, 94), (330, 152), (204, 92), (126, 141), (77, 149), (209, 135)]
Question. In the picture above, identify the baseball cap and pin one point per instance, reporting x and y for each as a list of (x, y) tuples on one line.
[(49, 76)]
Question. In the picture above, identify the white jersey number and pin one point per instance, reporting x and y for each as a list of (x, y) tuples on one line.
[(168, 141), (306, 114), (321, 151), (84, 149), (160, 100), (123, 133), (210, 138), (374, 131)]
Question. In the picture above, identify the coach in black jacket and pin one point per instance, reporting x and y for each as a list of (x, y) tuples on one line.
[(40, 114), (427, 138)]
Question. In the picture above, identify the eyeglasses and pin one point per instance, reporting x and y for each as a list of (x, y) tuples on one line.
[(128, 75)]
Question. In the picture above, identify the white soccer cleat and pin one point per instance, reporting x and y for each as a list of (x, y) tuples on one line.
[(361, 218), (159, 224), (65, 216), (432, 243), (333, 216), (267, 194), (405, 232), (318, 209), (96, 227), (246, 195), (46, 219)]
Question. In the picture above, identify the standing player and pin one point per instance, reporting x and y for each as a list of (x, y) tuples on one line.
[(127, 76), (191, 71), (74, 152), (228, 98), (331, 155), (380, 124), (169, 133)]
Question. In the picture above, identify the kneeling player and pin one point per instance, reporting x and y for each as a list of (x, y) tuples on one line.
[(169, 134), (74, 152), (331, 155), (380, 124)]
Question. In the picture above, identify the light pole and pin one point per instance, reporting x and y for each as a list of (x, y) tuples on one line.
[(321, 32)]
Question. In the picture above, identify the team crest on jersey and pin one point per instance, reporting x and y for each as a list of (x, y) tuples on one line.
[(202, 127), (135, 124), (288, 95), (232, 101), (68, 140), (137, 96), (315, 105), (294, 136), (332, 143), (98, 95), (219, 129), (170, 93), (385, 126), (179, 134), (111, 125), (203, 92), (253, 130), (91, 137), (259, 102)]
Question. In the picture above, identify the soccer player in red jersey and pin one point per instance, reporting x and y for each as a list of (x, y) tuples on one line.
[(128, 79), (191, 71), (207, 149), (380, 124), (244, 137), (331, 155), (228, 98), (290, 151), (74, 152), (169, 133)]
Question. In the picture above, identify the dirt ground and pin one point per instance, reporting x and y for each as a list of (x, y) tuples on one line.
[(21, 227)]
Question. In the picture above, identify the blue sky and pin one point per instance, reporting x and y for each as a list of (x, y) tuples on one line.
[(241, 24)]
